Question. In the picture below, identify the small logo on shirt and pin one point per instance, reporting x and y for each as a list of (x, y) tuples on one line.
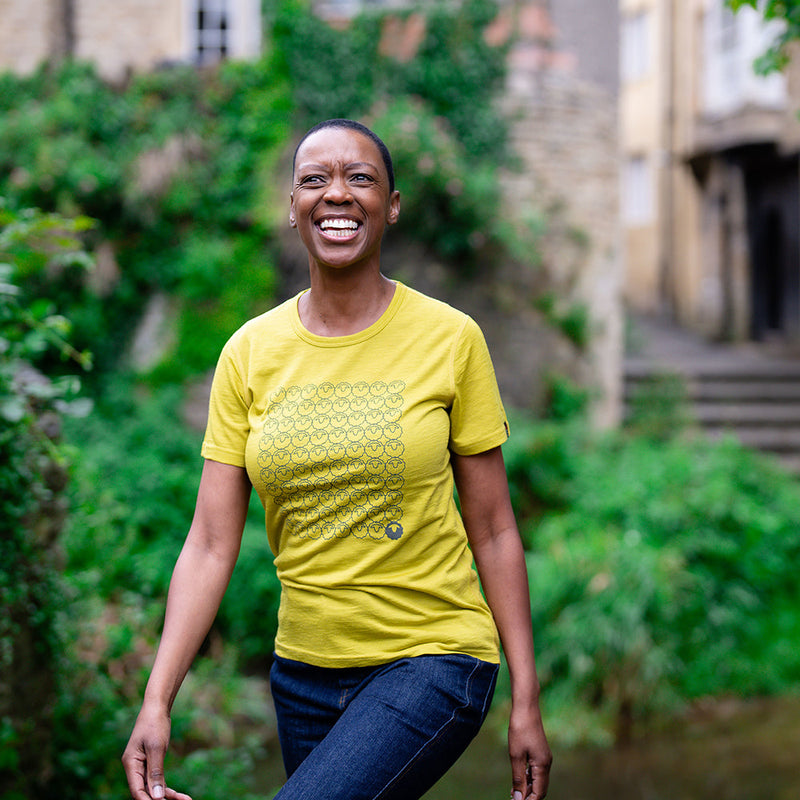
[(394, 530)]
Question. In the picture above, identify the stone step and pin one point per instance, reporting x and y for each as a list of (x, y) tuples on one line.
[(774, 440), (728, 392), (755, 414), (721, 369), (743, 390), (790, 462)]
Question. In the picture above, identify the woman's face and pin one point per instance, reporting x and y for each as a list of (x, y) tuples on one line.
[(341, 203)]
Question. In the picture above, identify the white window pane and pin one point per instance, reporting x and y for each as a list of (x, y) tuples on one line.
[(637, 191), (635, 49)]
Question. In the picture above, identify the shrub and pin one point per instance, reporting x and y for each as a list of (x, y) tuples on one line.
[(659, 569), (32, 478)]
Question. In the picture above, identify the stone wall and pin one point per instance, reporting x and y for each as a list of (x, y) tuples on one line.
[(129, 34), (27, 33), (565, 134)]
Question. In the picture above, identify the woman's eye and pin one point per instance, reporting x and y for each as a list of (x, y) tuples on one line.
[(361, 178)]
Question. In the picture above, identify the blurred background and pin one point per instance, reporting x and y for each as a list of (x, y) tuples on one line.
[(612, 189)]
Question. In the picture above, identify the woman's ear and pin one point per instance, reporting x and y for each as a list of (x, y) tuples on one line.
[(394, 208), (292, 218)]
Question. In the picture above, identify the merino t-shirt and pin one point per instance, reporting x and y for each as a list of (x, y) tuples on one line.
[(347, 441)]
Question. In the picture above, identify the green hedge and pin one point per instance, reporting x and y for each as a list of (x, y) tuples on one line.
[(661, 570)]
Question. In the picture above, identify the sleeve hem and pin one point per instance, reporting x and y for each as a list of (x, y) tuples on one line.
[(481, 445), (214, 453)]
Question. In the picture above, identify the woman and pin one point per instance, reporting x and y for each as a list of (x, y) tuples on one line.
[(351, 410)]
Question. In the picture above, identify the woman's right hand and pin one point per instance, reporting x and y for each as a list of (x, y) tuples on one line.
[(143, 758)]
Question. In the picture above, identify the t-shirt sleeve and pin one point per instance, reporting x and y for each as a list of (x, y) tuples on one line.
[(478, 420), (228, 424)]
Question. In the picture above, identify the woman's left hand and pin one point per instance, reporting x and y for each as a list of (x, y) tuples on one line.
[(530, 754)]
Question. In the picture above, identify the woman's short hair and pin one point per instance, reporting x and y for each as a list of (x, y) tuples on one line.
[(352, 125)]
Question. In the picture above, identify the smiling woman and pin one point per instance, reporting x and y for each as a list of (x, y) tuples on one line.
[(353, 410)]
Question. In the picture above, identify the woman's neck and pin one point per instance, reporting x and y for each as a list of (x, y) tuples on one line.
[(340, 303)]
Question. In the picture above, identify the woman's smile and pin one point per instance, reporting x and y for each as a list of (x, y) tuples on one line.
[(339, 228)]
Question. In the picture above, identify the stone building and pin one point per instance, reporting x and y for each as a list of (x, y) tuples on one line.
[(710, 174), (127, 35)]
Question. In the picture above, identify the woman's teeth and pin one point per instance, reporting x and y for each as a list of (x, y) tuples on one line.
[(338, 227)]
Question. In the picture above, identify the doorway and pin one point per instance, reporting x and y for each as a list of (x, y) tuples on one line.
[(773, 210)]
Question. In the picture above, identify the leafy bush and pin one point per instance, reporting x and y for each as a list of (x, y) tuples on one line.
[(460, 75), (455, 72), (173, 163), (32, 478), (659, 569), (134, 485), (451, 205)]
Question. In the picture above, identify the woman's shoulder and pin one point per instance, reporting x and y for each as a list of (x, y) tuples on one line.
[(438, 320), (433, 308)]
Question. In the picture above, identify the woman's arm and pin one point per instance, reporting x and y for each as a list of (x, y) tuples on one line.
[(499, 556), (199, 581)]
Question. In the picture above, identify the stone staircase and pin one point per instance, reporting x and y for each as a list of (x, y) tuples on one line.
[(749, 391)]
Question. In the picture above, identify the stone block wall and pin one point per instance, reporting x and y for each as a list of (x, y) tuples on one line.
[(565, 136), (27, 33), (129, 34)]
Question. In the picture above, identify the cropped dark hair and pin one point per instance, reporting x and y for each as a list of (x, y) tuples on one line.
[(352, 125)]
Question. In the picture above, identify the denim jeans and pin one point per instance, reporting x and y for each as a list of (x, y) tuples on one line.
[(387, 732)]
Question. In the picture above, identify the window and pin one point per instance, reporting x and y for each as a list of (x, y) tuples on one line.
[(732, 42), (729, 32), (635, 48), (637, 191), (211, 25)]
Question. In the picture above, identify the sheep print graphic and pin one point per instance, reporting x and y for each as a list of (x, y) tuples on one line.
[(332, 457)]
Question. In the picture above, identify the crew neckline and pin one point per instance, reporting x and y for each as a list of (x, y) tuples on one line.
[(351, 338)]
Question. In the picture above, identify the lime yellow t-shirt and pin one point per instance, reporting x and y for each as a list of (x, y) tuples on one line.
[(347, 442)]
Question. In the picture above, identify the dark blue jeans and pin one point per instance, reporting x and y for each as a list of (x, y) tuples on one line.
[(387, 732)]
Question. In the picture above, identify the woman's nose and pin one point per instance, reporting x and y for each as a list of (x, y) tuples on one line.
[(338, 192)]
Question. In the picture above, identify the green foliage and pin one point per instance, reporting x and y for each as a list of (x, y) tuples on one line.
[(451, 206), (659, 569), (32, 477), (334, 72), (460, 75), (173, 170), (659, 407), (133, 489), (178, 168), (249, 611), (787, 11), (566, 399), (454, 71), (573, 321)]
